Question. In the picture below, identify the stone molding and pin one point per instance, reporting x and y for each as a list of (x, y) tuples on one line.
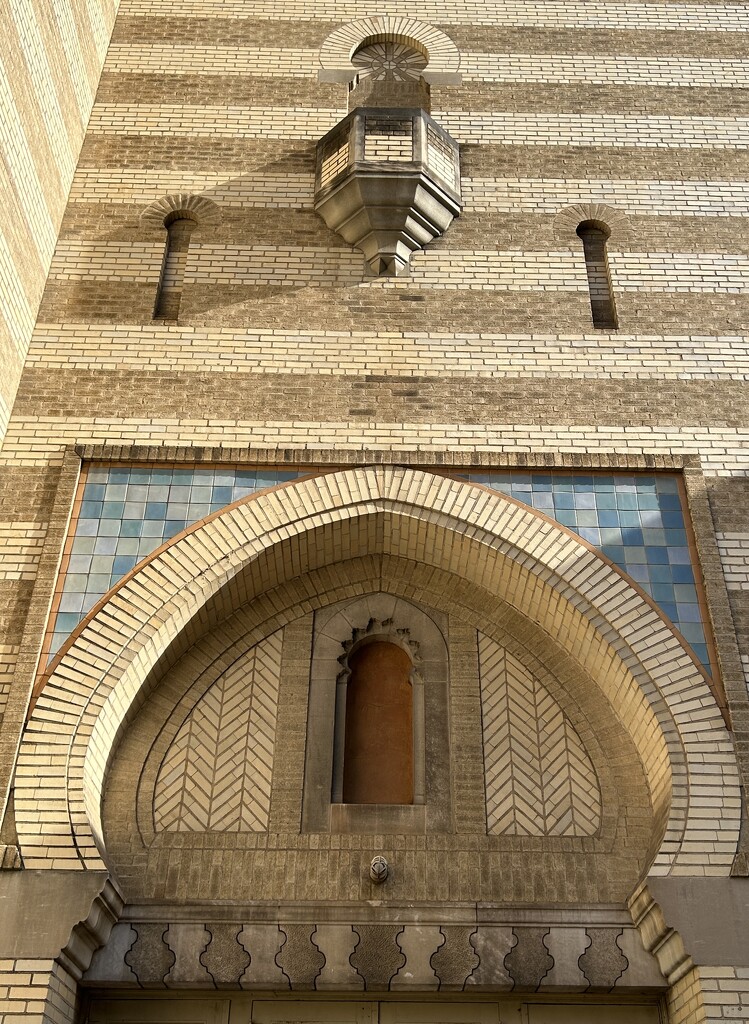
[(92, 933), (637, 659)]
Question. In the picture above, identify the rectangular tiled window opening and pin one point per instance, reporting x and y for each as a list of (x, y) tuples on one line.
[(124, 512)]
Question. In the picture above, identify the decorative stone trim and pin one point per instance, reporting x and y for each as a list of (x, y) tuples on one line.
[(544, 571), (338, 49), (524, 956), (92, 933), (341, 456)]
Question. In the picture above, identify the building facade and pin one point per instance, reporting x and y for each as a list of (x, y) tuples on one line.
[(373, 512)]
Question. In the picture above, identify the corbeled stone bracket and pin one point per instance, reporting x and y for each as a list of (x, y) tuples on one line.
[(388, 181)]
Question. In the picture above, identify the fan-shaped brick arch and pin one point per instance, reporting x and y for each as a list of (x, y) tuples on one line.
[(567, 221), (203, 211), (442, 53), (541, 569)]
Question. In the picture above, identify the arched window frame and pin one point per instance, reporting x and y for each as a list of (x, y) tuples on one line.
[(166, 211)]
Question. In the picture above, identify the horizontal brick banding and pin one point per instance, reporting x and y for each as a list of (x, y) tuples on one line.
[(87, 346), (189, 153), (510, 270), (504, 198), (511, 230), (338, 308), (661, 16), (497, 39), (617, 161), (121, 224), (279, 396), (41, 441), (133, 29), (155, 90), (217, 63), (613, 99), (604, 42), (295, 95), (243, 156), (482, 127)]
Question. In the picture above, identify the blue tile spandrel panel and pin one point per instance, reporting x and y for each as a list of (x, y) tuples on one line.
[(636, 520), (128, 511)]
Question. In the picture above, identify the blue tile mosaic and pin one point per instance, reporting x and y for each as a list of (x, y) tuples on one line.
[(127, 511), (636, 520)]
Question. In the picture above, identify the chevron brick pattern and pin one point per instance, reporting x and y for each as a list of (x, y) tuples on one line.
[(539, 778), (216, 775)]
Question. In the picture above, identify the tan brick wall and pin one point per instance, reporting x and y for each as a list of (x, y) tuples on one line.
[(46, 91), (488, 349), (36, 992)]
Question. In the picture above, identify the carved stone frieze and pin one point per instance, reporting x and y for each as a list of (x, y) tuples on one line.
[(418, 943), (262, 943), (337, 942), (330, 956), (603, 962), (491, 946), (299, 958), (529, 961), (187, 940), (149, 958), (377, 957), (224, 958), (456, 958)]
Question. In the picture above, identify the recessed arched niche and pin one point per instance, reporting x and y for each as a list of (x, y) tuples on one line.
[(377, 726)]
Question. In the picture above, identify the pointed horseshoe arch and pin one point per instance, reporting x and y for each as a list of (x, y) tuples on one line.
[(494, 542)]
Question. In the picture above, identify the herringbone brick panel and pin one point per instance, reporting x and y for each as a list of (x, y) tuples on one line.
[(539, 777), (216, 775)]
